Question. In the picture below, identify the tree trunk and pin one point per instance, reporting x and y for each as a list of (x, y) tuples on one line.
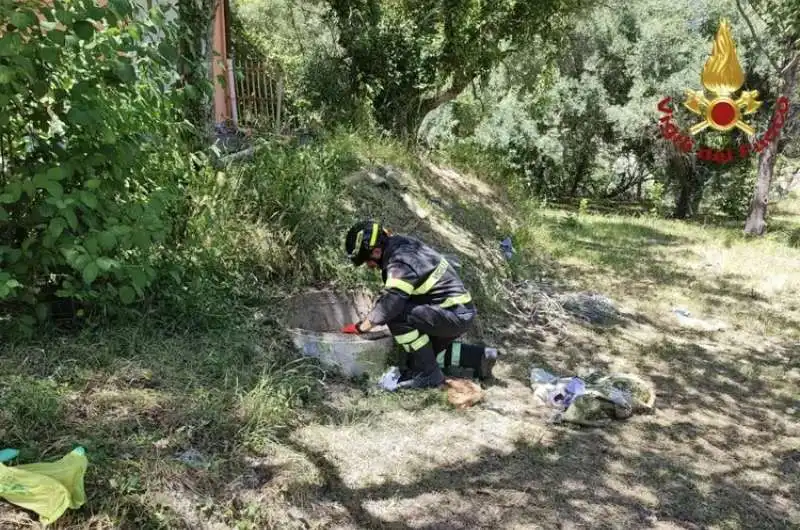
[(686, 178), (427, 105), (683, 205), (580, 172), (698, 191), (691, 188), (756, 223)]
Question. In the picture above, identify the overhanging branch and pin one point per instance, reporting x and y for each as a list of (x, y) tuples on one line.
[(791, 63), (777, 68), (458, 85)]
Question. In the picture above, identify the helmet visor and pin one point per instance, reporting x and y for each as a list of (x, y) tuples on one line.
[(356, 250)]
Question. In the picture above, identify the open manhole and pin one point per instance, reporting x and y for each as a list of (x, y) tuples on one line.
[(314, 319)]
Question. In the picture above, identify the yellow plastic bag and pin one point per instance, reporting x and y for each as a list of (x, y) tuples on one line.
[(46, 488)]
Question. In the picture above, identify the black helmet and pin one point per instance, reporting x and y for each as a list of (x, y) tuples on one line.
[(361, 239)]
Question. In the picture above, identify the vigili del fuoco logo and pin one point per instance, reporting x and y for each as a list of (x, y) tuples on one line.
[(719, 108)]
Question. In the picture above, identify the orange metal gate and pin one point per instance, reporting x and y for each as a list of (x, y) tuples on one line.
[(259, 96)]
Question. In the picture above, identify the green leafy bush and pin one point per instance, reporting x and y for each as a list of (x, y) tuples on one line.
[(731, 191), (90, 152), (277, 219), (655, 196)]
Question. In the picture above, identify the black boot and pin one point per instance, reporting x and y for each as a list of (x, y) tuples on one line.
[(488, 361), (427, 373), (433, 379)]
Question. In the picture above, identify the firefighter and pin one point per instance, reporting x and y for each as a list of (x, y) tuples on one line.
[(423, 303)]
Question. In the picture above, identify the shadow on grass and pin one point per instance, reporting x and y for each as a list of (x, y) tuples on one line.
[(135, 400), (702, 379), (641, 260), (628, 249), (159, 414), (623, 479), (138, 397), (718, 453), (567, 482)]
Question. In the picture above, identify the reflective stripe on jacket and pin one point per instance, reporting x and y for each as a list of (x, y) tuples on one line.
[(413, 271)]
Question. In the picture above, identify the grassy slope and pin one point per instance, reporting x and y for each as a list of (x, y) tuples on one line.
[(721, 452)]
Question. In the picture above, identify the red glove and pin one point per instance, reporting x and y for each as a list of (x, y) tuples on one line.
[(351, 329)]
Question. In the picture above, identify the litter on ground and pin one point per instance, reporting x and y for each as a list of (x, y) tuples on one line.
[(686, 320), (508, 248), (594, 400), (45, 488), (389, 380), (463, 393)]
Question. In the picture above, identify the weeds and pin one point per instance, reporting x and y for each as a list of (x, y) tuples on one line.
[(139, 399), (191, 371), (32, 408), (279, 219), (794, 238), (266, 409)]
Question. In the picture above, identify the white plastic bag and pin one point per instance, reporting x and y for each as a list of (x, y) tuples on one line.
[(389, 380)]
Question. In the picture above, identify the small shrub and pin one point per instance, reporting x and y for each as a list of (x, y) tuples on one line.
[(732, 191), (327, 86), (794, 238), (271, 220), (583, 208), (655, 196), (570, 222), (91, 161), (278, 220)]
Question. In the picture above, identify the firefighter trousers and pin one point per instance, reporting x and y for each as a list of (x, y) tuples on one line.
[(424, 330)]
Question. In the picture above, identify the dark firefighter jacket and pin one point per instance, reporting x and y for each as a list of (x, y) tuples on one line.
[(414, 272)]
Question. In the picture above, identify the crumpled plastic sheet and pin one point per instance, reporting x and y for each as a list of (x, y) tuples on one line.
[(46, 488), (390, 379), (559, 392), (591, 400), (508, 248)]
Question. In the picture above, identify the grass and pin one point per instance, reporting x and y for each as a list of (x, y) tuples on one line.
[(722, 395), (198, 422), (139, 400), (709, 270)]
